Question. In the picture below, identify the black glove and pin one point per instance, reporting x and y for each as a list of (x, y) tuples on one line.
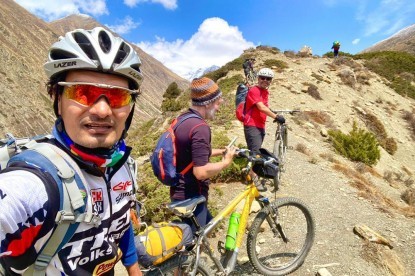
[(280, 119)]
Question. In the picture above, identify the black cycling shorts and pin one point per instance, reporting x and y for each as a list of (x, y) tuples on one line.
[(254, 138)]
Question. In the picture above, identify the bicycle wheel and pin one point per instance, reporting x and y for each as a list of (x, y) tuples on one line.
[(171, 266), (267, 251)]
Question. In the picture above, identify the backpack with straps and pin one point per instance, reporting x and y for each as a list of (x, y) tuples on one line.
[(240, 101), (163, 159), (37, 154)]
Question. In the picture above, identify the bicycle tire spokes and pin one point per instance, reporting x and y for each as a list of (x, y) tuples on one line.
[(284, 252)]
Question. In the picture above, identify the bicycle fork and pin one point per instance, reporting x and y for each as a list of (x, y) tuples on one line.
[(272, 219)]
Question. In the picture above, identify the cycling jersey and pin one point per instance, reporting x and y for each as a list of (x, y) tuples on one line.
[(29, 204)]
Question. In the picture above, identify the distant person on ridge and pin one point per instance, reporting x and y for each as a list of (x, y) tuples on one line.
[(336, 47), (248, 66), (193, 145), (256, 112), (94, 79)]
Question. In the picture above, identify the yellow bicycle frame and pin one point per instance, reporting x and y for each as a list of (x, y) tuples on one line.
[(249, 194)]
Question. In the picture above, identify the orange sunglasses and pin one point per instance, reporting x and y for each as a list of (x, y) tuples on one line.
[(88, 93)]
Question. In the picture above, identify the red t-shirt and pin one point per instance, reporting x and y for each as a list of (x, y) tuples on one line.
[(254, 117)]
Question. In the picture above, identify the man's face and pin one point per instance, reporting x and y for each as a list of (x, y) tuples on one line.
[(264, 82), (98, 125), (212, 108)]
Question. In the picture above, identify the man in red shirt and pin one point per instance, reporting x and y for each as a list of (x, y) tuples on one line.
[(257, 110)]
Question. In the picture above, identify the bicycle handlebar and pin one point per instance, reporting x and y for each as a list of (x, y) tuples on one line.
[(286, 111), (257, 159)]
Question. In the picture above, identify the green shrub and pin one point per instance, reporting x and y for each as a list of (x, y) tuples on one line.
[(172, 105), (393, 66), (235, 64), (143, 139), (376, 127), (280, 64), (172, 91), (331, 54), (270, 49), (153, 194), (359, 145)]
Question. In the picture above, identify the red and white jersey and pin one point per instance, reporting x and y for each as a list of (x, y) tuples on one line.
[(27, 211)]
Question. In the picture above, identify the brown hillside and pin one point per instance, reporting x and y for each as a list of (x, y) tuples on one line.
[(402, 41)]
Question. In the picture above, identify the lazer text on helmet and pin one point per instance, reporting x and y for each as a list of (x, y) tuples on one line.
[(65, 64)]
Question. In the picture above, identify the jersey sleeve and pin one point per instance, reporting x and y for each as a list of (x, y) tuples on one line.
[(127, 246), (201, 148), (24, 219)]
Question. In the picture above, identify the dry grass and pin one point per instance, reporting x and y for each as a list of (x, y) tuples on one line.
[(348, 78), (313, 92), (372, 193), (302, 148), (363, 77), (409, 196), (410, 119), (290, 54), (384, 258), (329, 157), (363, 168), (319, 117)]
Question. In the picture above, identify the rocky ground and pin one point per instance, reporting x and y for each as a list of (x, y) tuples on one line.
[(340, 193)]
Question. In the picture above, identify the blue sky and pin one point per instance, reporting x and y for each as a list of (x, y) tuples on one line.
[(187, 35)]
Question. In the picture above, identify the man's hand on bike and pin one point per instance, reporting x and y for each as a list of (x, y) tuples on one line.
[(279, 119)]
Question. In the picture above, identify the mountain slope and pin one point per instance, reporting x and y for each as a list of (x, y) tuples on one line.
[(402, 41)]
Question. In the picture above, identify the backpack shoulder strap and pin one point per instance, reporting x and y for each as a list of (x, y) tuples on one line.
[(70, 181), (182, 119)]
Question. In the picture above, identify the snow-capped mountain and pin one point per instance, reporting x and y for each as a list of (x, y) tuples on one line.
[(403, 40), (200, 72)]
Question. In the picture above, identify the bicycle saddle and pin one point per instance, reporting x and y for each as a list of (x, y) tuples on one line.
[(185, 207)]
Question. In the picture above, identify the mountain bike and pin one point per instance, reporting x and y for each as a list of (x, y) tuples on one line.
[(280, 146), (251, 77), (279, 238)]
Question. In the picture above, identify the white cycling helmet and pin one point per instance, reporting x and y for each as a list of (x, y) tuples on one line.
[(96, 50), (266, 72)]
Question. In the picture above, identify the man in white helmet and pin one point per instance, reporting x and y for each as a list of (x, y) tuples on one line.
[(256, 112), (94, 80)]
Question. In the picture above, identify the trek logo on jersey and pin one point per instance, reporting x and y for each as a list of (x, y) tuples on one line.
[(97, 200), (122, 186)]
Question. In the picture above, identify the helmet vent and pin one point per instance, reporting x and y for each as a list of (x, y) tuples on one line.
[(104, 41), (122, 53), (58, 54), (85, 45)]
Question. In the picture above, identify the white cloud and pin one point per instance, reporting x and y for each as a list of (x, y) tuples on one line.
[(54, 9), (125, 26), (356, 41), (168, 4), (386, 17), (215, 43)]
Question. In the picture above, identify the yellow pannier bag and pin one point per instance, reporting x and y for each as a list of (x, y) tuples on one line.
[(161, 241)]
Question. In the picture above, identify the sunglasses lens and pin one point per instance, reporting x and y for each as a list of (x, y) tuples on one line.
[(89, 94), (266, 78)]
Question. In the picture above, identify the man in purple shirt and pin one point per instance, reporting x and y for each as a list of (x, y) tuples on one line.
[(193, 144)]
